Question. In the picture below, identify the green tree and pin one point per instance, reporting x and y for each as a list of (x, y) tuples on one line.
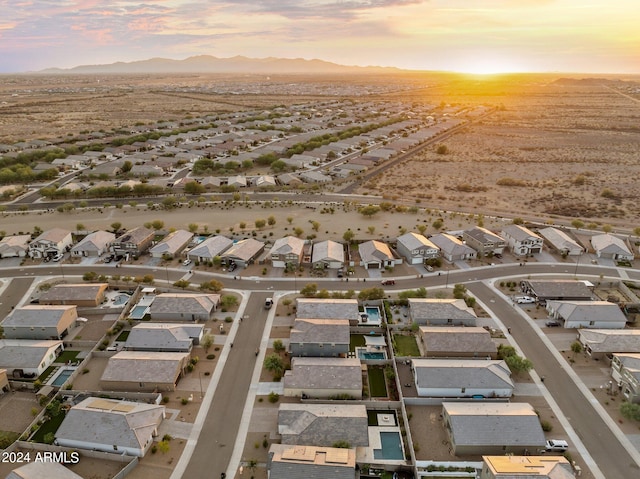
[(309, 290), (371, 294), (207, 342), (504, 351), (193, 227), (348, 236), (260, 224), (369, 210), (271, 220), (630, 410), (229, 301), (80, 227), (298, 231), (422, 229), (607, 228), (459, 291), (315, 225), (278, 346), (274, 364), (577, 224), (371, 229), (90, 276), (182, 284), (437, 224), (212, 285), (576, 348), (157, 224), (442, 150), (194, 188), (518, 364)]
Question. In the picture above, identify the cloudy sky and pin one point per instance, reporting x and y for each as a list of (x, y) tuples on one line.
[(601, 36)]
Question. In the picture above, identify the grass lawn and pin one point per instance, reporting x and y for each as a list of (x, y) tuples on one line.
[(67, 356), (49, 426), (377, 385), (406, 345), (123, 336), (7, 438), (356, 341)]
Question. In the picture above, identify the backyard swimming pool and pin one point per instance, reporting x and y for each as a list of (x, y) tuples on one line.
[(138, 311), (391, 447), (62, 377), (364, 354), (121, 299)]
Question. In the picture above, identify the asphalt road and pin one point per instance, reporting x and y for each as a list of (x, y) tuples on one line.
[(213, 451)]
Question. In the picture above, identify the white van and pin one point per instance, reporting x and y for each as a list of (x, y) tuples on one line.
[(556, 445)]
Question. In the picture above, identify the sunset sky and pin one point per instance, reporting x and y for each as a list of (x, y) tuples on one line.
[(480, 36)]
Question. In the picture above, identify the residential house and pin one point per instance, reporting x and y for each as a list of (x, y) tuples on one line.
[(184, 306), (171, 245), (462, 378), (169, 337), (447, 312), (113, 426), (477, 428), (526, 467), (625, 371), (14, 246), (209, 249), (522, 241), (50, 243), (134, 242), (600, 343), (561, 242), (319, 337), (286, 462), (320, 308), (94, 244), (36, 321), (39, 469), (324, 378), (265, 181), (375, 255), (244, 252), (87, 295), (485, 242), (327, 255), (313, 176), (611, 247), (560, 289), (587, 314), (457, 342), (451, 248), (286, 252), (239, 181), (416, 249), (28, 358), (144, 371), (323, 424)]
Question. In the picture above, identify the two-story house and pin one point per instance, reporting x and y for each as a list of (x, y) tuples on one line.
[(485, 242), (625, 370), (287, 251), (415, 248), (133, 242), (521, 240), (50, 243)]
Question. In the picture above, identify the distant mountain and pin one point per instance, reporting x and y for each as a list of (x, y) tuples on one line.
[(211, 64)]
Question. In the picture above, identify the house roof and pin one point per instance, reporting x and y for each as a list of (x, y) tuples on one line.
[(73, 292), (327, 251), (95, 241), (211, 247), (173, 242), (428, 309), (462, 373), (374, 252), (585, 311), (24, 353), (413, 241), (38, 315), (494, 424), (54, 235), (244, 250), (135, 236), (559, 289), (631, 363), (320, 331), (560, 240), (310, 462), (317, 308), (144, 367), (609, 244), (611, 340), (519, 233), (324, 373), (457, 339), (529, 467), (320, 424), (450, 245), (287, 245), (40, 469), (111, 422), (189, 303), (163, 336), (17, 242), (483, 235)]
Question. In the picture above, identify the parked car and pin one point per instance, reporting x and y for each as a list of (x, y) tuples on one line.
[(556, 445), (524, 300), (58, 257), (552, 324), (186, 262), (429, 268), (388, 282), (232, 266)]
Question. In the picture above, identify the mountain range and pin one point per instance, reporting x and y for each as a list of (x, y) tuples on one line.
[(211, 64)]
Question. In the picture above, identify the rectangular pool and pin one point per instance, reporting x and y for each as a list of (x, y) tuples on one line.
[(138, 311), (62, 377), (391, 447)]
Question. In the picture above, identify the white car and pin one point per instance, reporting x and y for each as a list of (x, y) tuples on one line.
[(186, 262), (524, 300), (57, 257)]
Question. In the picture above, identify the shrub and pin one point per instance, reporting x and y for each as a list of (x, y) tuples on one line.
[(184, 401), (273, 397)]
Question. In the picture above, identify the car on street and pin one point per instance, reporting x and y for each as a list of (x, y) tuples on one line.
[(268, 303), (388, 282)]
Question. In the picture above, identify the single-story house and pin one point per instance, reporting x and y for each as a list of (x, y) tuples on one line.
[(184, 306), (36, 321), (462, 378), (172, 244), (265, 181), (451, 248), (323, 424), (287, 251), (522, 241), (28, 358), (447, 312), (244, 252), (39, 469), (587, 314), (485, 242), (311, 462), (170, 337), (319, 337), (457, 342), (209, 249), (560, 289), (133, 242), (327, 254), (89, 295), (561, 241), (108, 425), (238, 181), (50, 243), (609, 246), (321, 308), (625, 370), (375, 255), (94, 244), (529, 467), (477, 428), (416, 248), (323, 378), (599, 343), (147, 371), (14, 246)]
